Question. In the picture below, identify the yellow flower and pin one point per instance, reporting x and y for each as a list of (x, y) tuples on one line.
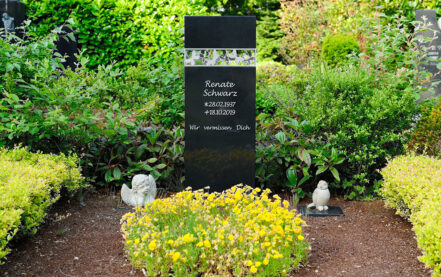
[(203, 256), (188, 238), (136, 241), (300, 237), (285, 203), (253, 269), (248, 263), (199, 244), (170, 241), (152, 245), (265, 261), (258, 264), (207, 243), (230, 237), (176, 256)]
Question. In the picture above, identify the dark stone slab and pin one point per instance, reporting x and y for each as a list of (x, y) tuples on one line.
[(331, 211), (67, 46), (220, 112), (432, 49), (12, 15), (220, 31)]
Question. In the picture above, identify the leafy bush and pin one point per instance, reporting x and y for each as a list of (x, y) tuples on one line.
[(102, 115), (306, 23), (412, 185), (238, 232), (243, 7), (29, 184), (152, 149), (288, 156), (337, 47), (362, 117), (405, 8), (122, 31)]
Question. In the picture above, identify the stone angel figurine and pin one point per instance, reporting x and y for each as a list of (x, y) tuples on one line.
[(143, 191), (320, 196)]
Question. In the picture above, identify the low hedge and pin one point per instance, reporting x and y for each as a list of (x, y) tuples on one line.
[(29, 184), (412, 185)]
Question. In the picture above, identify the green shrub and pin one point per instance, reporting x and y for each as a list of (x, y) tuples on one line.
[(259, 8), (337, 47), (412, 186), (352, 111), (405, 8), (122, 31), (240, 232), (289, 157), (29, 184), (306, 23), (97, 114)]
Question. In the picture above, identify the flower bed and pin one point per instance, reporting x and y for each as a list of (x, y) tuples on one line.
[(29, 184), (412, 185), (237, 232)]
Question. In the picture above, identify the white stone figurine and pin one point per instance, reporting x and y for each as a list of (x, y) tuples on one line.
[(143, 191), (320, 196)]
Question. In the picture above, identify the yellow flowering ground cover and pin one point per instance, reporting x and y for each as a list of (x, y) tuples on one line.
[(29, 183), (412, 185), (239, 232)]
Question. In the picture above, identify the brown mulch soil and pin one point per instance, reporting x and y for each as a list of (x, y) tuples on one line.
[(370, 240)]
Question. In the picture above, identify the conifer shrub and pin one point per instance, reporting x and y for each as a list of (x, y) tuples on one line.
[(426, 137)]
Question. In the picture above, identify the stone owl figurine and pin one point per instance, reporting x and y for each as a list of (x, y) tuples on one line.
[(320, 196), (143, 191)]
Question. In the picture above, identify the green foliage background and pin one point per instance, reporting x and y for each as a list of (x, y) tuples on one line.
[(122, 31)]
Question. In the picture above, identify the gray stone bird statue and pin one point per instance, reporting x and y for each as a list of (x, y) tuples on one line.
[(320, 196), (143, 191)]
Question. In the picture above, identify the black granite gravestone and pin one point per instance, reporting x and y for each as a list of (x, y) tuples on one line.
[(432, 48), (13, 13), (67, 46), (220, 101)]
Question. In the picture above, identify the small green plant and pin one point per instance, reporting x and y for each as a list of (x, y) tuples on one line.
[(337, 47), (287, 154), (239, 231)]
